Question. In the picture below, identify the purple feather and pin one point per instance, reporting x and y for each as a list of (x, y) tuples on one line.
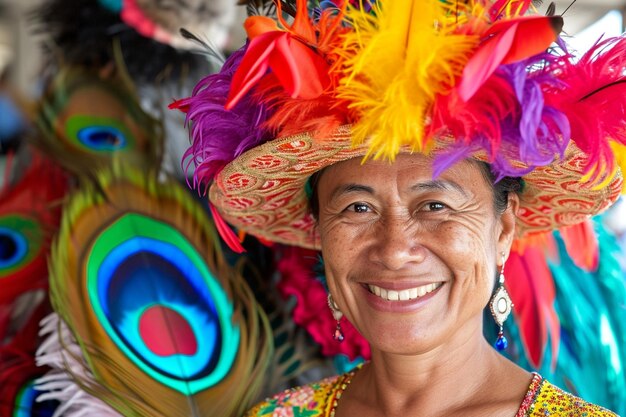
[(541, 133), (218, 136)]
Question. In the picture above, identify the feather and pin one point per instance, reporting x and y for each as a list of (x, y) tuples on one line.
[(295, 356), (291, 55), (591, 307), (509, 7), (581, 244), (18, 370), (218, 135), (593, 97), (85, 118), (166, 327), (531, 286), (506, 119), (319, 114), (226, 233), (29, 217), (506, 42), (60, 352), (395, 62), (619, 151)]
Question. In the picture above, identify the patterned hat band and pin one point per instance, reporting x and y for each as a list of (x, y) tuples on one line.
[(264, 191)]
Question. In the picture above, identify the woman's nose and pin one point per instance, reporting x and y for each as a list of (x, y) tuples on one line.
[(397, 244)]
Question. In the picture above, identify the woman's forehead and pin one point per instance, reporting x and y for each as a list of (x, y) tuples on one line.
[(404, 167)]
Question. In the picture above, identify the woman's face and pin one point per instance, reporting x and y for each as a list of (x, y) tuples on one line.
[(411, 261)]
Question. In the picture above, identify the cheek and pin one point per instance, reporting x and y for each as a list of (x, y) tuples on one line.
[(469, 253)]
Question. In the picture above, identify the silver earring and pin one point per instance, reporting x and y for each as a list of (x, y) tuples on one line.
[(501, 306), (337, 315)]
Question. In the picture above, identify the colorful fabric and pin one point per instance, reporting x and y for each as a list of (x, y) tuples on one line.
[(320, 399)]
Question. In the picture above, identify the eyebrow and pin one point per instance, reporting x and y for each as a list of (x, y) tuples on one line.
[(350, 188), (439, 185)]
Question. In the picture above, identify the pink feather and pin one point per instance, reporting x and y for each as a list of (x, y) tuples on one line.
[(593, 99)]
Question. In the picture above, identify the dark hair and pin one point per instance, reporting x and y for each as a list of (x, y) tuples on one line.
[(501, 189)]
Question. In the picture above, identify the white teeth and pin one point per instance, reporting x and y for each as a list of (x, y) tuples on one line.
[(404, 295)]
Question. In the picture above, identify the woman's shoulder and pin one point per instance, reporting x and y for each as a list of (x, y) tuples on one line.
[(309, 400), (545, 399)]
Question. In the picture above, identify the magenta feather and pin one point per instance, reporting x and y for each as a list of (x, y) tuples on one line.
[(593, 99), (218, 135)]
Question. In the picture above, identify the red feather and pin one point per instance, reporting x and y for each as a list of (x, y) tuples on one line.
[(531, 287), (292, 54), (508, 41), (478, 117), (36, 196), (582, 245), (226, 233)]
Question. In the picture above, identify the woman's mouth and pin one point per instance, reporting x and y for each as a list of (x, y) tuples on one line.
[(405, 294)]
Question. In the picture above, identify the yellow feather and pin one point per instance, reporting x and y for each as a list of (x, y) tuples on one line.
[(394, 64), (619, 151)]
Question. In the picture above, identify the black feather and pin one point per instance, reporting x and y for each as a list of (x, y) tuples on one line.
[(568, 7), (208, 49)]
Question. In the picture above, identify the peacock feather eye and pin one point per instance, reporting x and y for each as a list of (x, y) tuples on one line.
[(28, 405), (99, 134), (160, 304), (85, 120), (29, 216), (162, 321), (20, 242)]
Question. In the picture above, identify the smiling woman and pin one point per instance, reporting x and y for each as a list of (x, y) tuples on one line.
[(412, 142)]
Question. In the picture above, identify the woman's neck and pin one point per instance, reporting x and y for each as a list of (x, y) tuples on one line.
[(449, 377)]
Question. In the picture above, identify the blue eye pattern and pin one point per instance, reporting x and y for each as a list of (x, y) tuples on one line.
[(85, 120), (162, 320), (29, 215)]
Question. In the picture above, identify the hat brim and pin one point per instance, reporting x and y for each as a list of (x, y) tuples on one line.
[(263, 191)]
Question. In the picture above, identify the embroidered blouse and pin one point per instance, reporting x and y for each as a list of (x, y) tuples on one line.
[(320, 399)]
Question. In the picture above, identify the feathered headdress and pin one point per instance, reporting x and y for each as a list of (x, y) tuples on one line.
[(456, 80)]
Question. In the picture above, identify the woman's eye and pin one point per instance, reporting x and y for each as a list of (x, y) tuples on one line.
[(358, 208), (435, 206)]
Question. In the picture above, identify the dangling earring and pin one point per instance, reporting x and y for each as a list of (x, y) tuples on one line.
[(337, 315), (501, 306)]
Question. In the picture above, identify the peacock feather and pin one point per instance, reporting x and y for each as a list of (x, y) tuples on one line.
[(86, 117), (29, 215), (165, 326), (18, 371)]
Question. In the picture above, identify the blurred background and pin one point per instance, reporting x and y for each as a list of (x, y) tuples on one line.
[(591, 17)]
